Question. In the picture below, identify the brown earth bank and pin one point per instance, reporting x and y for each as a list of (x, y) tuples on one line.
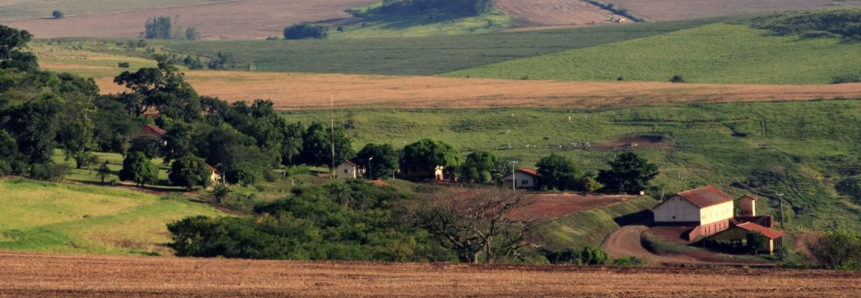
[(312, 91), (244, 19), (549, 206), (55, 275), (668, 10)]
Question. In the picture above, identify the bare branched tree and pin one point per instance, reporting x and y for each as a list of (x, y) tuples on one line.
[(478, 224)]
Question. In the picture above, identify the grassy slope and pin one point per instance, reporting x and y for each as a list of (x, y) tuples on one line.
[(51, 217), (718, 53), (416, 26), (27, 9), (800, 148), (418, 56), (589, 228)]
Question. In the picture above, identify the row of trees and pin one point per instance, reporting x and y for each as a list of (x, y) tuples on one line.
[(427, 7), (162, 28)]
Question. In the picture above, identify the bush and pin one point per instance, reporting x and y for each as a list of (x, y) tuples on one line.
[(5, 168), (306, 31), (57, 14), (48, 172), (586, 256), (629, 262), (123, 65), (677, 79), (837, 250), (846, 79)]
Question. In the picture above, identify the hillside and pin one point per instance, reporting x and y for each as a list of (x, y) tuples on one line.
[(718, 53), (50, 217), (34, 9), (739, 147), (417, 56), (665, 10)]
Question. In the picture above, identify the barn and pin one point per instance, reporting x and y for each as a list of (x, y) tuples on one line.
[(735, 238), (706, 208)]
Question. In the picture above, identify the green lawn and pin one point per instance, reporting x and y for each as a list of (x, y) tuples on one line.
[(718, 53), (417, 55), (589, 228), (28, 9), (50, 217), (798, 148)]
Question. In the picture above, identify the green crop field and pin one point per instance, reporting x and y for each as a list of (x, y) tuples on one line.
[(718, 53), (29, 9), (419, 55), (798, 148), (50, 217)]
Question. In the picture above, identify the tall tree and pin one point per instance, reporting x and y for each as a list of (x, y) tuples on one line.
[(139, 169), (380, 160), (178, 142), (559, 172), (427, 154), (190, 172), (628, 173), (12, 41), (479, 167), (36, 127), (76, 133), (317, 148), (158, 28), (291, 147)]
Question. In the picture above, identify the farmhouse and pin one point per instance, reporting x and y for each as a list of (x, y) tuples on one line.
[(347, 170), (735, 238), (152, 130), (523, 179), (418, 173), (214, 177), (706, 208)]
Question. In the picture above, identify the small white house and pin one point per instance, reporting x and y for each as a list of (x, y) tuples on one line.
[(706, 208), (347, 170), (747, 205), (523, 178)]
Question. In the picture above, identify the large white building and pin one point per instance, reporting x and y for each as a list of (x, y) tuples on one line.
[(706, 208)]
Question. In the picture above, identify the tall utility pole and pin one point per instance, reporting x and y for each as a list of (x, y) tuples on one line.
[(513, 176), (332, 119), (680, 181), (780, 205)]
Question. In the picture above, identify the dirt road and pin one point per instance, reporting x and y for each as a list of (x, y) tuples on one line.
[(625, 242)]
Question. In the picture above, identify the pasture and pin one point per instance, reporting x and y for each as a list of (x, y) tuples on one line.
[(718, 53), (51, 217), (34, 9), (738, 147), (666, 10), (416, 56), (555, 12), (116, 276)]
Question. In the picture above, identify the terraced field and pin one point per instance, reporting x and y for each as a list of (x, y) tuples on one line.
[(555, 12)]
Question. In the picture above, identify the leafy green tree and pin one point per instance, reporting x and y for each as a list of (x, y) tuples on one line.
[(559, 172), (151, 146), (291, 148), (479, 166), (139, 169), (76, 133), (191, 33), (163, 88), (177, 141), (591, 185), (427, 154), (306, 31), (594, 256), (57, 14), (221, 191), (158, 28), (756, 241), (114, 126), (381, 160), (191, 172), (628, 173), (35, 126), (316, 143), (11, 43), (837, 250), (8, 146)]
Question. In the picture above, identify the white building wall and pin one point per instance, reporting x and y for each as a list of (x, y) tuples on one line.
[(524, 180), (716, 213), (676, 209), (345, 171)]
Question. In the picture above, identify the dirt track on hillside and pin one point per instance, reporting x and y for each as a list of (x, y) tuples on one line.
[(247, 19), (54, 275), (312, 91), (625, 242)]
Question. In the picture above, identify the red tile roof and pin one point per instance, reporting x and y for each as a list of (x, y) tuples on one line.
[(350, 163), (211, 168), (749, 197), (752, 227), (705, 196), (150, 129), (530, 172)]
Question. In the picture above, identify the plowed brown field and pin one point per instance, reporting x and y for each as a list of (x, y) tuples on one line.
[(555, 12), (246, 19), (46, 275), (312, 91), (666, 10)]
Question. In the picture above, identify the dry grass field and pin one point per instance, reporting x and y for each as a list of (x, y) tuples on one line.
[(248, 19), (312, 91), (666, 10), (47, 275), (554, 12)]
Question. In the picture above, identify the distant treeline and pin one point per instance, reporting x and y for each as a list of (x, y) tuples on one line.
[(844, 24), (452, 7), (617, 10)]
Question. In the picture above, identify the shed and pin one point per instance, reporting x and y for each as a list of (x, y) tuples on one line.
[(523, 178), (736, 237), (347, 170)]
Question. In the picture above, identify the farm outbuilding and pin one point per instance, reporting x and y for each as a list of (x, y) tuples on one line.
[(707, 208), (347, 170), (523, 178), (735, 237)]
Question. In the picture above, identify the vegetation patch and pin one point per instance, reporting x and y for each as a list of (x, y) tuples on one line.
[(838, 23), (589, 228)]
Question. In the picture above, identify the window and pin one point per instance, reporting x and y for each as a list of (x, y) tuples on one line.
[(674, 217), (346, 171), (525, 182)]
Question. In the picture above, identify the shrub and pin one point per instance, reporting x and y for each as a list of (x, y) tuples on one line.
[(123, 65), (629, 262), (48, 172), (837, 250), (846, 79), (306, 31), (677, 79), (57, 14), (5, 168)]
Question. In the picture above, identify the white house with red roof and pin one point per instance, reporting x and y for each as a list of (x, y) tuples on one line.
[(523, 178), (347, 170)]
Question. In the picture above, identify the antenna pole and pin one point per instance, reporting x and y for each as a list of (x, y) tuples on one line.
[(332, 120)]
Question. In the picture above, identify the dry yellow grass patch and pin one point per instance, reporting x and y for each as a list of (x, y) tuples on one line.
[(312, 91)]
